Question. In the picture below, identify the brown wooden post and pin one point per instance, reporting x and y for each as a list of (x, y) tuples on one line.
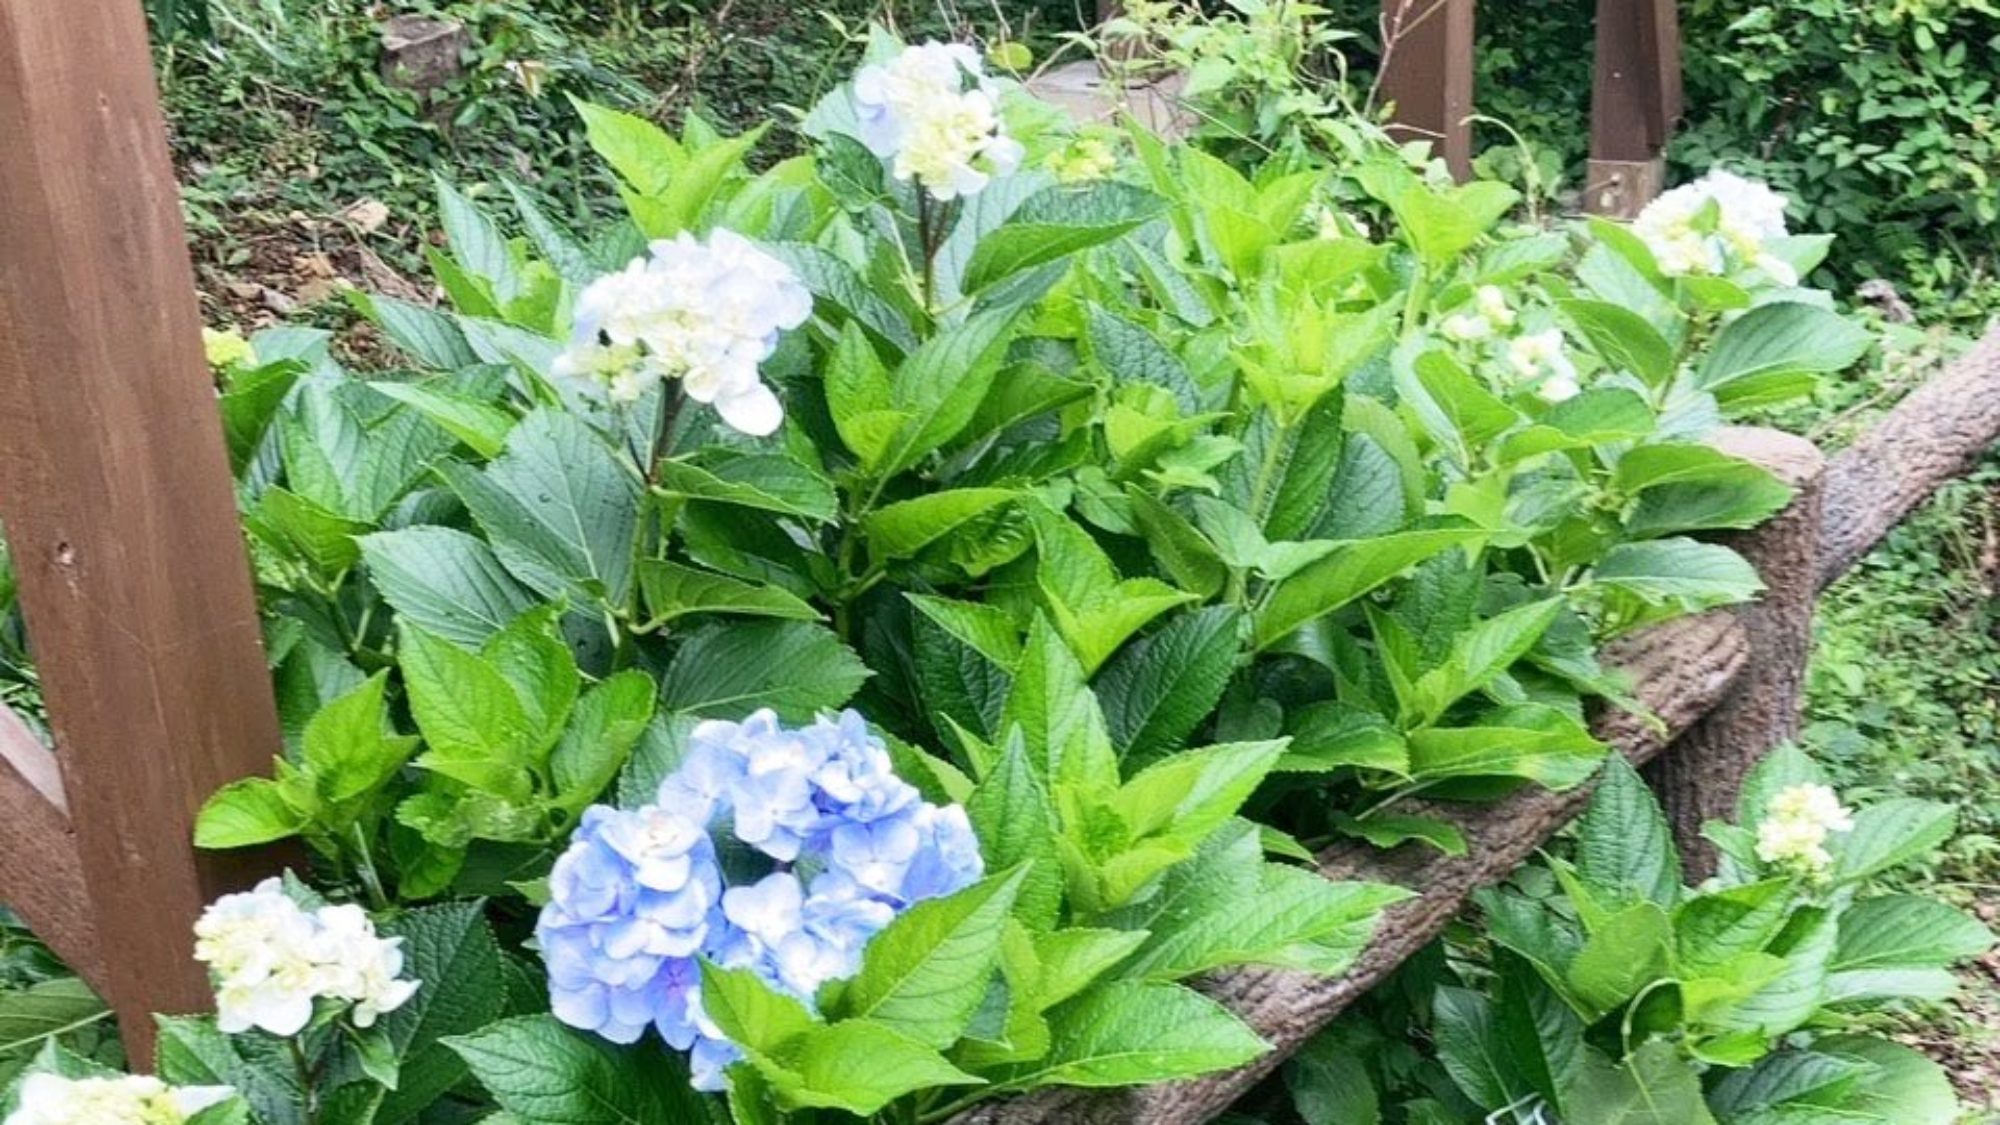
[(1427, 75), (117, 497), (1635, 100), (1700, 778)]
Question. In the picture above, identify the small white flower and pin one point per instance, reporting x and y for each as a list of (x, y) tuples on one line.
[(1493, 306), (51, 1099), (1541, 358), (1796, 825), (1464, 328)]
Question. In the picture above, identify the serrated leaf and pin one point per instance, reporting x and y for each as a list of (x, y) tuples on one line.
[(1889, 834), (1131, 1033), (730, 670), (1623, 844), (445, 581), (1156, 691), (1353, 569), (559, 508), (548, 1074), (451, 950), (902, 529), (671, 591), (925, 974), (1014, 817), (247, 812), (766, 482)]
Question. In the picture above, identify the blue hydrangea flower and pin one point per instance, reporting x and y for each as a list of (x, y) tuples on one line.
[(632, 900), (639, 898)]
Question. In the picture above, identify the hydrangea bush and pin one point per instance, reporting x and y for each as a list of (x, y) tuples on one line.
[(854, 638), (1606, 985)]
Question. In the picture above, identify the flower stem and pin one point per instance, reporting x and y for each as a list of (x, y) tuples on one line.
[(308, 1079)]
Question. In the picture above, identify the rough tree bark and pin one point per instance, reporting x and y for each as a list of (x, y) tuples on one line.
[(1679, 671), (1699, 781), (1933, 436)]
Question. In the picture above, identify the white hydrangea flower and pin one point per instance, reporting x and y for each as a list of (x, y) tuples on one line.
[(262, 950), (1688, 237), (51, 1099), (361, 966), (705, 312), (271, 960), (1541, 357), (935, 113), (1796, 825)]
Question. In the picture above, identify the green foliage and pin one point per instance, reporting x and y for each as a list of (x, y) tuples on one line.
[(1163, 520), (1606, 991)]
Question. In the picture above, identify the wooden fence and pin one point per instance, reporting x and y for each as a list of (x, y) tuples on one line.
[(118, 502), (1427, 76), (1428, 65)]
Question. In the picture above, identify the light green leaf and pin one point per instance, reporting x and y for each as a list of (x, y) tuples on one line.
[(606, 724), (1014, 817), (349, 748), (1350, 571), (1526, 740), (473, 722), (1131, 1033), (247, 812), (1057, 222), (1904, 1087), (1889, 834), (1714, 928), (1624, 338), (860, 1066), (902, 529), (1906, 931), (1770, 342), (480, 425), (1679, 571), (1059, 719), (1653, 1087), (1627, 951), (925, 975)]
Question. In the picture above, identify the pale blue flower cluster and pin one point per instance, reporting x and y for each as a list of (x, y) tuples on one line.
[(640, 896)]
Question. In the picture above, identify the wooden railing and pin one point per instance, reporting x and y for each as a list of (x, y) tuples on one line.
[(118, 503)]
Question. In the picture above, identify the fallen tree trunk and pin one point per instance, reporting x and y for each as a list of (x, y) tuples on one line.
[(1933, 436), (1679, 671)]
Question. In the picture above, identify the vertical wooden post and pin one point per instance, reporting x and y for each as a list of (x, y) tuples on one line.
[(1635, 100), (117, 496), (1427, 72), (1699, 778)]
